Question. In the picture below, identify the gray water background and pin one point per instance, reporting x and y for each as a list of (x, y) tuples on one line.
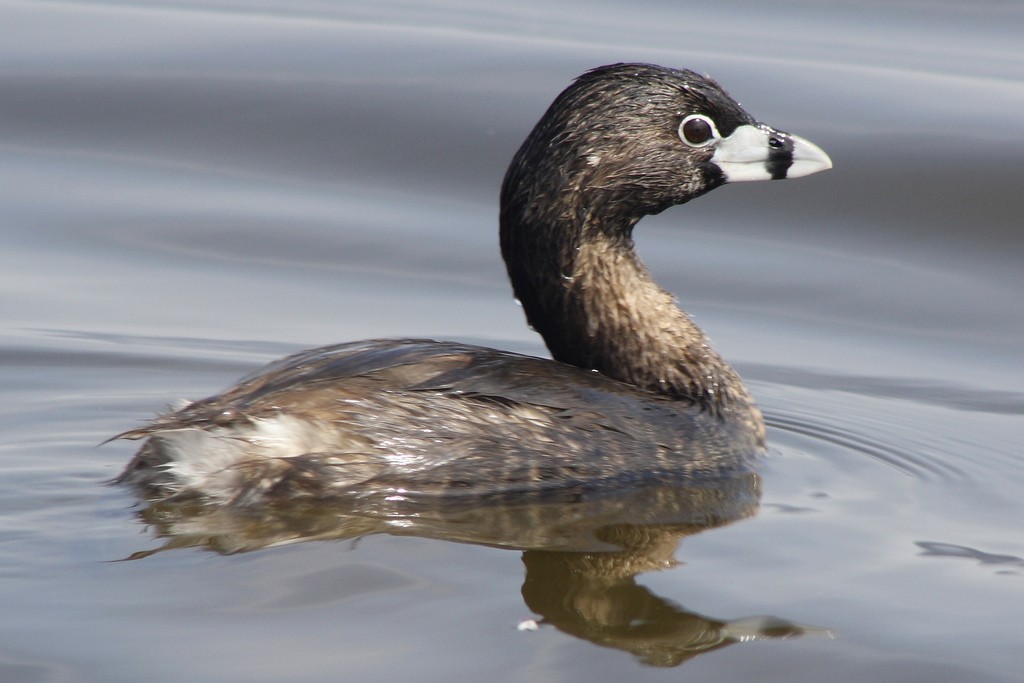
[(190, 189)]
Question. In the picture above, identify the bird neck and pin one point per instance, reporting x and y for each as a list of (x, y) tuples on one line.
[(584, 289)]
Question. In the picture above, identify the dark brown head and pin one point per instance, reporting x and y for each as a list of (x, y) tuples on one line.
[(633, 139)]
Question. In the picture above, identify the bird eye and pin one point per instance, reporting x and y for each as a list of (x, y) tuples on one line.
[(697, 130)]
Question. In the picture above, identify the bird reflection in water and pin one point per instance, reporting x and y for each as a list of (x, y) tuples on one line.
[(582, 552)]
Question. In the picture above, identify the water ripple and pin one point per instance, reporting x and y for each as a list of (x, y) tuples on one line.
[(938, 549), (915, 460)]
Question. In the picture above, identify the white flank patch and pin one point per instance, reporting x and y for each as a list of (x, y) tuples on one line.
[(208, 460)]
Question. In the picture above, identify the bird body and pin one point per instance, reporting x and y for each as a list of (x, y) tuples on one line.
[(634, 392)]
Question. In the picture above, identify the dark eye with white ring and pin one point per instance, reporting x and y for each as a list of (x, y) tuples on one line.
[(697, 130)]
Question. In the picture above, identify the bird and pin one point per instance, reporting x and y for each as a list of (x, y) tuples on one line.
[(633, 392)]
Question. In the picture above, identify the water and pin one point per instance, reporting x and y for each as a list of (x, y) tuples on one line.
[(191, 189)]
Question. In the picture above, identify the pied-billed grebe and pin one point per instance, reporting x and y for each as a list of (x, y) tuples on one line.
[(634, 393)]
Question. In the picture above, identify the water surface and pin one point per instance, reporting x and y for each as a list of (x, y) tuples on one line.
[(192, 189)]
